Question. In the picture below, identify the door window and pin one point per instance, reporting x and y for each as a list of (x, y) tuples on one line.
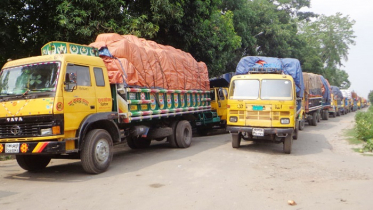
[(99, 76), (83, 77)]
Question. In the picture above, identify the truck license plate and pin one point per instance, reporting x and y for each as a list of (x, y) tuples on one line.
[(257, 108), (258, 132), (12, 148)]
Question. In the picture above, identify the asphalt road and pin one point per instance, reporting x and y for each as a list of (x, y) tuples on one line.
[(321, 173)]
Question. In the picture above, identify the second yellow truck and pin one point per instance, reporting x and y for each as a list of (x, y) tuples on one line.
[(264, 101)]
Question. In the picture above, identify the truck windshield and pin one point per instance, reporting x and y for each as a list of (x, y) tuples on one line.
[(40, 77), (273, 89), (244, 89)]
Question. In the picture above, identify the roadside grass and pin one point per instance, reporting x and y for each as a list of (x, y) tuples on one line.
[(6, 157), (352, 138)]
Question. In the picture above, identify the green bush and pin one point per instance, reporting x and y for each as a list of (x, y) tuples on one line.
[(369, 145), (364, 124)]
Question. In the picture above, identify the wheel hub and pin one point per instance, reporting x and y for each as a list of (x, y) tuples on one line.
[(102, 150)]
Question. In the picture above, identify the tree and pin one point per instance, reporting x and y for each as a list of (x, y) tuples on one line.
[(370, 96), (331, 35), (328, 39), (26, 25)]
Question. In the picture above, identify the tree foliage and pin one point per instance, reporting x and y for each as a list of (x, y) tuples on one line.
[(329, 38), (370, 96), (218, 32)]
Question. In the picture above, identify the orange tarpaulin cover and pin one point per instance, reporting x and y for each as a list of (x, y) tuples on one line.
[(151, 65)]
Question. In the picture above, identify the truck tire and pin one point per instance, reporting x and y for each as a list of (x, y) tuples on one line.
[(97, 151), (314, 119), (334, 114), (33, 162), (338, 114), (172, 138), (236, 140), (131, 143), (301, 124), (296, 131), (318, 117), (326, 115), (288, 142), (184, 134), (323, 114)]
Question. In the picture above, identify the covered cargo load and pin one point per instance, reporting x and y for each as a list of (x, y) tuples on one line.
[(312, 84), (354, 95), (336, 92), (139, 62), (325, 89), (346, 93), (289, 66), (221, 81)]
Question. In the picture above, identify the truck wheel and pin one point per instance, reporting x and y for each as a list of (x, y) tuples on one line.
[(301, 125), (334, 115), (236, 140), (323, 115), (326, 115), (296, 131), (288, 142), (184, 134), (131, 143), (172, 138), (318, 117), (338, 114), (314, 119), (97, 151), (33, 162)]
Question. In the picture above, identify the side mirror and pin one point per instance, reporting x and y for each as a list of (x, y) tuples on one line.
[(70, 82)]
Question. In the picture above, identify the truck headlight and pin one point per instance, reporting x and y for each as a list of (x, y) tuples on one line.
[(285, 120), (233, 119), (46, 131)]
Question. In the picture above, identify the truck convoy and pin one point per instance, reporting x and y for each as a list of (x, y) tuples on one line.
[(70, 103), (264, 100)]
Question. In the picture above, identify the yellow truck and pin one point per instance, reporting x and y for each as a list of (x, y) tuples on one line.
[(264, 101), (62, 105), (217, 118)]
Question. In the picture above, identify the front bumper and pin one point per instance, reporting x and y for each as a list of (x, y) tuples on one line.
[(27, 148), (267, 131)]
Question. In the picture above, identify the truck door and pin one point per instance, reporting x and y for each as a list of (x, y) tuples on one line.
[(81, 101), (222, 103)]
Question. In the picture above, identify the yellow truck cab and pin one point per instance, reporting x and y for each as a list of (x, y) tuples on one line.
[(219, 99), (63, 106), (262, 105)]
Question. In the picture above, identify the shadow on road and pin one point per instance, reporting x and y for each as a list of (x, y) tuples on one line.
[(305, 145), (125, 160)]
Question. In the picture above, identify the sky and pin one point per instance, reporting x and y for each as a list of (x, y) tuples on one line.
[(361, 54)]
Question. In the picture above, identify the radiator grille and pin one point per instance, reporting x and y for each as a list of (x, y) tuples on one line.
[(23, 129)]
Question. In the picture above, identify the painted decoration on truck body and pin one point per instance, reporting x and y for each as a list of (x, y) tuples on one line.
[(176, 100), (182, 100), (161, 100), (169, 102), (153, 103)]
